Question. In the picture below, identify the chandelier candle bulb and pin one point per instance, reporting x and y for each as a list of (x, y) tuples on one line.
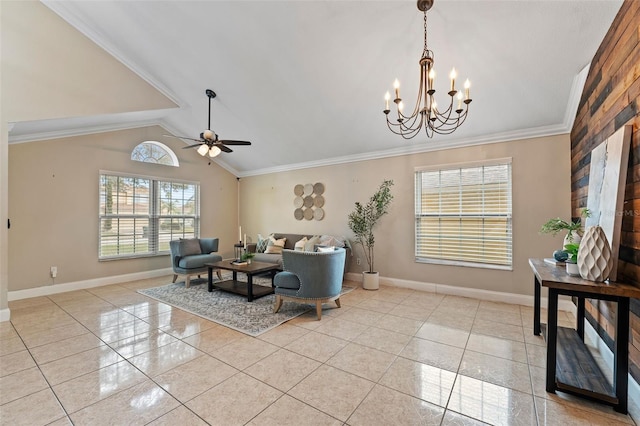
[(387, 96), (460, 100), (432, 76), (396, 85), (453, 76), (467, 85)]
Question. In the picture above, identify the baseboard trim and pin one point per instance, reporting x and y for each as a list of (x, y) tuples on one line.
[(564, 303), (81, 285), (5, 314)]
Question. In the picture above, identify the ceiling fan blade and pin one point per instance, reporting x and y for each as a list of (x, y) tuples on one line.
[(192, 146), (231, 142), (183, 137), (224, 148)]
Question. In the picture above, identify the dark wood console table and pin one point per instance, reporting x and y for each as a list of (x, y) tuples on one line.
[(570, 366)]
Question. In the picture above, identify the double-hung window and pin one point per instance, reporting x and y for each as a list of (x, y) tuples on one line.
[(463, 214), (139, 215)]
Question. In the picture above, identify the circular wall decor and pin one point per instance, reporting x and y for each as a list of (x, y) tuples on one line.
[(318, 188), (298, 190), (298, 214), (308, 214), (308, 201), (318, 214), (308, 189), (318, 201), (298, 202)]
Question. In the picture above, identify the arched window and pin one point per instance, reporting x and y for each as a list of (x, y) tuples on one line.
[(154, 152)]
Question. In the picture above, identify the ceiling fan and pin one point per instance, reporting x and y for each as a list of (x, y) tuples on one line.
[(209, 142)]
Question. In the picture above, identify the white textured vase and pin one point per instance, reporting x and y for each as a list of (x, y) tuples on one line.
[(370, 280), (594, 255)]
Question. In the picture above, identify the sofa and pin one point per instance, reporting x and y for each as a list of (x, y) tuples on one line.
[(291, 240), (188, 257)]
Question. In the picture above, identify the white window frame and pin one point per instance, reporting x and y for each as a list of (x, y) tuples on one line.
[(419, 258), (156, 147), (154, 217)]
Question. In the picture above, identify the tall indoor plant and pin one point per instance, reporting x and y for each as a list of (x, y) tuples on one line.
[(362, 221)]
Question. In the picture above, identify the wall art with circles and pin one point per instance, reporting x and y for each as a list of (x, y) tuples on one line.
[(308, 201)]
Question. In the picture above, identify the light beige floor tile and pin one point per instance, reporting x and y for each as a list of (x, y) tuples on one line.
[(53, 335), (40, 408), (422, 381), (186, 328), (460, 302), (137, 405), (71, 295), (532, 339), (145, 307), (487, 305), (7, 331), (38, 326), (342, 329), (398, 324), (65, 421), (537, 355), (491, 403), (383, 340), (123, 331), (502, 348), (554, 413), (374, 304), (67, 368), (433, 353), (499, 371), (180, 416), (288, 411), (245, 352), (417, 313), (496, 329), (317, 346), (92, 387), (451, 320), (443, 334), (31, 302), (283, 335), (309, 320), (213, 339), (392, 294), (15, 362), (423, 299), (503, 317), (22, 383), (164, 358), (451, 418), (360, 316), (13, 345), (141, 343), (225, 403), (386, 406), (332, 391), (66, 347), (107, 320), (362, 361), (282, 369), (193, 378)]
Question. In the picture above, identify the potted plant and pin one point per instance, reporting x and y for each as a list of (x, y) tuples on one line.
[(362, 221), (572, 261), (574, 229), (247, 256)]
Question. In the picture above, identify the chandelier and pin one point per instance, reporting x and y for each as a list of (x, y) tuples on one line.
[(426, 113)]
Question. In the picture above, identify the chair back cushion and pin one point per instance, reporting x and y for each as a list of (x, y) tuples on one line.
[(209, 245), (320, 274)]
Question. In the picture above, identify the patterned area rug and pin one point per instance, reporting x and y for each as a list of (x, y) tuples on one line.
[(228, 309)]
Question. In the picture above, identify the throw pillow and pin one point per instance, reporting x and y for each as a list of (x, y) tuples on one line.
[(275, 246), (189, 247), (311, 243), (261, 245), (330, 240), (299, 246), (326, 249)]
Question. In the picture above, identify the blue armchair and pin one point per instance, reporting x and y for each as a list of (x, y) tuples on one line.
[(188, 257), (310, 277)]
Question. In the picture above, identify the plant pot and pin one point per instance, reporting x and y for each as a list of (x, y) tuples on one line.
[(572, 269), (370, 280)]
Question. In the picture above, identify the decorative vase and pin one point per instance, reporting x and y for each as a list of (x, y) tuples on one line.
[(572, 269), (594, 255), (572, 237), (370, 280)]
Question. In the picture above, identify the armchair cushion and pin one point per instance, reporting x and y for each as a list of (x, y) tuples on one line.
[(208, 245), (197, 261), (287, 280), (189, 247)]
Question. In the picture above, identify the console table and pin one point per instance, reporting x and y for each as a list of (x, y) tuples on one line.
[(570, 366)]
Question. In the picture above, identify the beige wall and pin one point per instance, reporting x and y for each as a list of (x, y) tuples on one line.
[(53, 204), (541, 169)]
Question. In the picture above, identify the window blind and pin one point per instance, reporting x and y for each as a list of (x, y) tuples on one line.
[(464, 215)]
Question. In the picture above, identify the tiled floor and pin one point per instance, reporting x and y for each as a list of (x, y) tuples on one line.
[(109, 355)]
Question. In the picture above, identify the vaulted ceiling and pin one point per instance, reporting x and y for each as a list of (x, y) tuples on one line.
[(304, 80)]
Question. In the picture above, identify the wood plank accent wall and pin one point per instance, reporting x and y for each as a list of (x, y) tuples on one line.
[(611, 99)]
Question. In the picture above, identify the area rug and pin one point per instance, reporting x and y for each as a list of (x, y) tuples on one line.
[(230, 310)]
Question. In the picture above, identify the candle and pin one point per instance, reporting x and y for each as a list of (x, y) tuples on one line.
[(245, 241), (432, 75), (453, 76), (396, 85), (387, 96), (467, 84), (240, 234), (460, 100)]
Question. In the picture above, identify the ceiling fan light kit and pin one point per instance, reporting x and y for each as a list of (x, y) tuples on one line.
[(209, 143), (426, 113)]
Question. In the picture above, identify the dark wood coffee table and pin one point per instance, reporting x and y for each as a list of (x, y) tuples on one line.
[(245, 288)]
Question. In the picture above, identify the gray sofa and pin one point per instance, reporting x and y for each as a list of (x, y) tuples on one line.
[(289, 244), (188, 257)]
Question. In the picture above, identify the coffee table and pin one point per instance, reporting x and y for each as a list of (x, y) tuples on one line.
[(245, 288)]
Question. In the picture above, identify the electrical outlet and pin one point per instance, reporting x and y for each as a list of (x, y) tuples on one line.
[(357, 261), (54, 271)]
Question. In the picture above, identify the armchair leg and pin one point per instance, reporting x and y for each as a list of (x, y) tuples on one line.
[(338, 302), (319, 309), (187, 282), (278, 304), (219, 274), (175, 277)]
